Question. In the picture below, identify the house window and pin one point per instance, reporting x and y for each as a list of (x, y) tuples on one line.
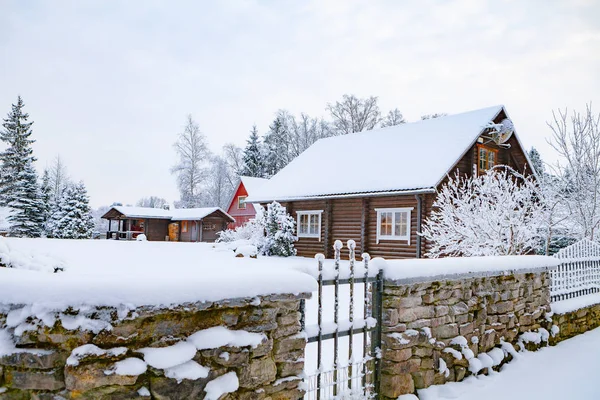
[(486, 158), (393, 224), (242, 202), (309, 224), (184, 226)]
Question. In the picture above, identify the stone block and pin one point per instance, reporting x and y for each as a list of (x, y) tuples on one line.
[(290, 368), (459, 373), (35, 380), (459, 308), (423, 379), (420, 351), (163, 388), (445, 331), (260, 371), (262, 349), (413, 314), (42, 359), (399, 355), (90, 376), (289, 344), (441, 311), (404, 367), (395, 385)]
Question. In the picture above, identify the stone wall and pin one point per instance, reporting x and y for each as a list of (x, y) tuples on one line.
[(40, 368), (573, 323), (443, 331)]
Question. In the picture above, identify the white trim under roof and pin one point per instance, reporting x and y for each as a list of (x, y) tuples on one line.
[(348, 195)]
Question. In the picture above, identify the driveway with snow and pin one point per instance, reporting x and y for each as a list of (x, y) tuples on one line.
[(570, 370)]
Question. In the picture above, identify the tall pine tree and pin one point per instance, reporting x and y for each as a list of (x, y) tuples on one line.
[(72, 218), (18, 184), (253, 159), (46, 193), (276, 143), (536, 161)]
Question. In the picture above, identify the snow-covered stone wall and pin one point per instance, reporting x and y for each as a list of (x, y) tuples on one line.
[(444, 330), (574, 316), (250, 348)]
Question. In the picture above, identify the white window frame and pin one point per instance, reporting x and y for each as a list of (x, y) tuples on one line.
[(308, 213), (243, 202), (407, 210)]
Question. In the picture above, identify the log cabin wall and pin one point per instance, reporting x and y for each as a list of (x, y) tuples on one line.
[(308, 247), (157, 229), (211, 226)]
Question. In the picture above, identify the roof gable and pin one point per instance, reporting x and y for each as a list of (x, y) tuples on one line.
[(405, 157)]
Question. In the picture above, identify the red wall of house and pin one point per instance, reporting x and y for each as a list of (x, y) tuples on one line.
[(241, 215)]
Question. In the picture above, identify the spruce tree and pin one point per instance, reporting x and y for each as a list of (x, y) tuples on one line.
[(72, 218), (46, 193), (253, 159), (279, 229), (536, 161), (276, 148), (18, 184)]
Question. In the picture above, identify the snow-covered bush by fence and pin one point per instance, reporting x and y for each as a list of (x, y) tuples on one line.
[(271, 231), (494, 214)]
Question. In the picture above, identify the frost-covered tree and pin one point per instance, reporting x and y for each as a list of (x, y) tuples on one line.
[(352, 114), (46, 196), (276, 144), (234, 156), (577, 140), (253, 158), (220, 183), (19, 187), (394, 117), (434, 115), (152, 202), (494, 214), (59, 178), (191, 169), (536, 161), (279, 230), (73, 217)]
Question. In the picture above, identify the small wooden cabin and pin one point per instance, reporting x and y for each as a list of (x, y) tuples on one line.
[(184, 225), (238, 208), (377, 187)]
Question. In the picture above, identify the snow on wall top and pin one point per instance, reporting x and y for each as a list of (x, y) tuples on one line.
[(380, 160), (424, 269), (114, 273), (178, 214)]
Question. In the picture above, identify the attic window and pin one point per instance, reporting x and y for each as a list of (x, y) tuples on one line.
[(309, 224), (242, 202), (486, 158), (393, 224)]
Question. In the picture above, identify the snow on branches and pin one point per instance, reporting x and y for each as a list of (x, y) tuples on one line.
[(494, 214), (271, 231)]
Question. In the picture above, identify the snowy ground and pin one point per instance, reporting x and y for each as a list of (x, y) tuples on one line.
[(567, 371)]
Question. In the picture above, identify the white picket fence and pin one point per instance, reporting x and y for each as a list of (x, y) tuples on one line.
[(578, 273)]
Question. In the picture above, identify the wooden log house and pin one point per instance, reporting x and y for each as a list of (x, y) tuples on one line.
[(377, 187), (183, 225)]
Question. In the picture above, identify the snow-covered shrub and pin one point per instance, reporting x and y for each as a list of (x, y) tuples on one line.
[(141, 238), (279, 229), (72, 218), (494, 214), (270, 231)]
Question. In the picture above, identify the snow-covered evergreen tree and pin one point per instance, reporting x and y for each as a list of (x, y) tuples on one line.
[(19, 183), (536, 161), (279, 229), (46, 194), (276, 143), (253, 158), (494, 214), (73, 217)]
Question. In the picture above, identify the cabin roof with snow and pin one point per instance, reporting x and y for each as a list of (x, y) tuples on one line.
[(251, 185), (403, 158), (180, 214)]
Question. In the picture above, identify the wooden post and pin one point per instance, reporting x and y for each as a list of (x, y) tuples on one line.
[(364, 225), (109, 229), (201, 229)]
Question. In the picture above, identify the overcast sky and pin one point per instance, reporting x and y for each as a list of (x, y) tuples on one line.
[(109, 83)]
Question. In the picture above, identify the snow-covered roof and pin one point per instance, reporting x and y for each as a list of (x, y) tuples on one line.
[(252, 184), (407, 157), (4, 223), (180, 214), (194, 214)]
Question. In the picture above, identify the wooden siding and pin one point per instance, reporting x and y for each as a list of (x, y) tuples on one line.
[(241, 215), (157, 229), (346, 223), (308, 247), (211, 226)]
